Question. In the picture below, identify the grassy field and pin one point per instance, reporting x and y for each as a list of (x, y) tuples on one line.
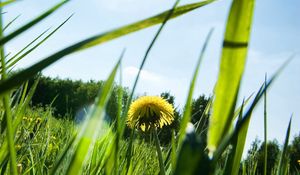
[(34, 142)]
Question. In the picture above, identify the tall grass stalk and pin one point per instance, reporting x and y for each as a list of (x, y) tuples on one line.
[(265, 131), (159, 153), (283, 161), (233, 59), (8, 114)]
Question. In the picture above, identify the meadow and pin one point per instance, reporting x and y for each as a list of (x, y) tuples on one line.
[(34, 140)]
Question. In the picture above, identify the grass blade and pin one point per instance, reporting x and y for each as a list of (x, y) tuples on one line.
[(284, 159), (246, 117), (231, 70), (2, 4), (7, 110), (89, 133), (187, 110), (62, 155), (192, 158), (23, 105), (265, 130), (24, 75), (199, 123), (24, 48), (130, 145), (157, 19), (238, 143), (37, 45), (22, 29), (185, 148), (9, 23), (159, 153)]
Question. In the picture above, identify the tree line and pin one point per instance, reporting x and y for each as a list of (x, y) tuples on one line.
[(68, 97)]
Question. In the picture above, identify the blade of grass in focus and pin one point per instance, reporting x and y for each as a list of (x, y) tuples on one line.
[(231, 70), (24, 75), (246, 117)]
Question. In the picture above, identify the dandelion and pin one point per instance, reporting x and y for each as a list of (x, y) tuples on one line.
[(299, 162), (38, 120), (150, 112)]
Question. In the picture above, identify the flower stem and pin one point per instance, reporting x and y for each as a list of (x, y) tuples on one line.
[(159, 153)]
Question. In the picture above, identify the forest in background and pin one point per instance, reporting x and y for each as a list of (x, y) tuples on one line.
[(69, 97)]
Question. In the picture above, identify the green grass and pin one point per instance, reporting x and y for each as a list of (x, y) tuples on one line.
[(33, 141)]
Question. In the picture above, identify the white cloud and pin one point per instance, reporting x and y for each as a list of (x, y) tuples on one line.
[(131, 72)]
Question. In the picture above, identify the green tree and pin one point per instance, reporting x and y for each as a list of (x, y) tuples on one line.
[(294, 153), (199, 119), (70, 96), (165, 134), (252, 157), (254, 161), (198, 106), (272, 157)]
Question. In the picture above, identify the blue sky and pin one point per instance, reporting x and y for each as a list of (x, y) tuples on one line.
[(275, 36)]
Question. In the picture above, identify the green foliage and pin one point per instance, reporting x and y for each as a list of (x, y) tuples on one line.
[(233, 59), (32, 141), (294, 155), (198, 107), (72, 96), (255, 157), (272, 155)]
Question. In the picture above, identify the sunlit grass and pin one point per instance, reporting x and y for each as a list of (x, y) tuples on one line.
[(33, 141)]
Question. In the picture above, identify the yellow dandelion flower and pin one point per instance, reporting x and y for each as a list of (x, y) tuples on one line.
[(299, 162), (38, 120), (150, 112)]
